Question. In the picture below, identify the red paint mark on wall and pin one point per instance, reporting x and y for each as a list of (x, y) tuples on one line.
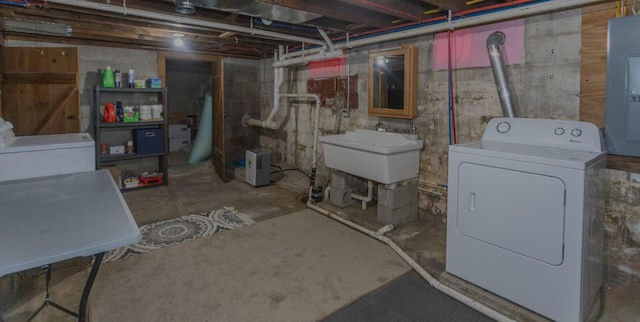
[(469, 46), (327, 68), (333, 91)]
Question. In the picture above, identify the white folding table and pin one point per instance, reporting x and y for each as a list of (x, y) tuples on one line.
[(50, 219)]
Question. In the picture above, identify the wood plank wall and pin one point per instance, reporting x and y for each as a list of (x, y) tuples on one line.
[(593, 74)]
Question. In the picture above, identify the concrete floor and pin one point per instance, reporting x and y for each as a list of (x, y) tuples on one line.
[(196, 188)]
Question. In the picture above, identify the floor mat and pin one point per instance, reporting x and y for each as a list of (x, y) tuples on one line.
[(409, 298), (173, 231)]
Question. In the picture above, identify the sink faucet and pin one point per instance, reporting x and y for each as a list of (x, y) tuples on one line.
[(380, 127)]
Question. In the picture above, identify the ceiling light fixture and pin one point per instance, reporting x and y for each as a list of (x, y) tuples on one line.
[(177, 40), (37, 27), (185, 7)]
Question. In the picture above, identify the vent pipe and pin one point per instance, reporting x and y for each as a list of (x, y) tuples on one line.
[(494, 44), (185, 7)]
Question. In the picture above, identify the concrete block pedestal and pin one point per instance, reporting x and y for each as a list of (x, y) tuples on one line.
[(398, 202)]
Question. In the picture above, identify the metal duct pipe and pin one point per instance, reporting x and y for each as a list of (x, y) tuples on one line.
[(498, 66)]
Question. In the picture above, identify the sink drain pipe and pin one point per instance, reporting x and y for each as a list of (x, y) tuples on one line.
[(365, 199), (379, 235)]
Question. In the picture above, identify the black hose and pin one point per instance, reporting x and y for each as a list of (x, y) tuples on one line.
[(281, 172)]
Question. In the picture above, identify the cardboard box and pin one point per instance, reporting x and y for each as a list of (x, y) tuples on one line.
[(131, 117), (115, 174), (148, 141), (116, 149), (181, 131), (139, 83), (176, 144), (154, 82), (177, 118)]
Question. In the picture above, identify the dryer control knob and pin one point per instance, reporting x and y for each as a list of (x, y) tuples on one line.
[(503, 127), (576, 132), (559, 131)]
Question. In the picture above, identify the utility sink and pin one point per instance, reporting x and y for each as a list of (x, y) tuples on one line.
[(382, 157)]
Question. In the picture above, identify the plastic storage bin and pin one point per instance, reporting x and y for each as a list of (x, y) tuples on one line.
[(148, 141)]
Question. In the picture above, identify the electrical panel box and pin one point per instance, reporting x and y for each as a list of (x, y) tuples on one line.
[(622, 133), (257, 167)]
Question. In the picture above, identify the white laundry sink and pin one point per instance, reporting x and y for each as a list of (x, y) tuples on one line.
[(377, 156)]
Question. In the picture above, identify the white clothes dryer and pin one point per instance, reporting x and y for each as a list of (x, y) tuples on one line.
[(525, 214)]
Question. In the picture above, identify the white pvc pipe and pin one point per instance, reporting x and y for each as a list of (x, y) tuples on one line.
[(364, 199), (430, 279), (267, 124), (278, 80), (513, 13), (186, 20), (305, 59), (326, 39)]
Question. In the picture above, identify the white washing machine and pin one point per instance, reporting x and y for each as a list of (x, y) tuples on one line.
[(525, 214), (23, 157)]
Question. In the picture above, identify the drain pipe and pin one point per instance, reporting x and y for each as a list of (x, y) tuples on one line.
[(302, 59), (278, 80), (364, 199), (326, 39), (379, 235), (498, 66)]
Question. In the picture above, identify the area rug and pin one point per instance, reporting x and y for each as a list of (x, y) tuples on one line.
[(173, 231), (298, 267)]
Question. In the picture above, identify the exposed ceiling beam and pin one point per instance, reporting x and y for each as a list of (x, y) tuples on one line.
[(401, 9), (212, 29), (453, 5), (187, 20), (131, 28)]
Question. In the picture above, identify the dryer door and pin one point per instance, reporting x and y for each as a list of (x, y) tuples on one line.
[(518, 211)]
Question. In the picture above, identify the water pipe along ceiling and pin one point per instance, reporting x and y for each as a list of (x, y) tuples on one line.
[(238, 28)]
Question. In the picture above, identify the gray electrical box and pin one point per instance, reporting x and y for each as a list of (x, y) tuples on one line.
[(257, 167), (622, 128)]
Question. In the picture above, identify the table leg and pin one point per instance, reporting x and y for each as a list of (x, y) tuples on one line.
[(82, 310), (82, 314)]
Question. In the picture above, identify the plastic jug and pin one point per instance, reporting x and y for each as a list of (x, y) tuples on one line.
[(109, 113), (119, 112), (107, 78)]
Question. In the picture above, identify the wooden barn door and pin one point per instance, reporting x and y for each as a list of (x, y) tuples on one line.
[(40, 90)]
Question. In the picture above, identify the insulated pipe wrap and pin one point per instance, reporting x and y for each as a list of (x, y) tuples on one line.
[(498, 66)]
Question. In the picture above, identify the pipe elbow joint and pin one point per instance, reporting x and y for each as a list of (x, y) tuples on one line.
[(267, 124), (270, 124)]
